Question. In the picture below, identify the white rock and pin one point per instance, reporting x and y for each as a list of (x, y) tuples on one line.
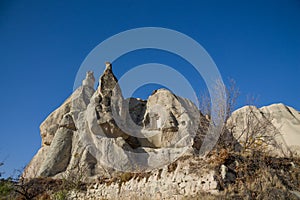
[(284, 123)]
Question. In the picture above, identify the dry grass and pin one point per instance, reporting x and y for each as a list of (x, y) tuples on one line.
[(261, 177)]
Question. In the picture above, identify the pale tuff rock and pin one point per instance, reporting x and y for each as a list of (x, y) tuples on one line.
[(32, 169), (107, 92), (67, 122), (168, 118), (179, 181), (59, 153), (287, 121), (277, 120), (89, 80), (227, 175), (101, 133), (49, 127), (80, 98), (71, 108), (100, 130)]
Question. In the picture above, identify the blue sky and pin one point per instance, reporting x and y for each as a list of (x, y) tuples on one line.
[(43, 43)]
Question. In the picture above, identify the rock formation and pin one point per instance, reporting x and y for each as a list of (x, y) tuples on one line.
[(103, 132), (128, 148), (59, 154), (263, 124)]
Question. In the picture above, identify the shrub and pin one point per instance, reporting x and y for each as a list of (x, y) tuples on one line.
[(6, 187), (60, 195)]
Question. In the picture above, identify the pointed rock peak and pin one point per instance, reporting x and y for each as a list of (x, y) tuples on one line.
[(108, 66), (108, 80), (89, 79)]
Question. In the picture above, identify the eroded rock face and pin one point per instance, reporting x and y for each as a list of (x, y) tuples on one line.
[(57, 123), (99, 134), (101, 131), (168, 118), (276, 120), (287, 121), (178, 181), (59, 153), (76, 102), (103, 97)]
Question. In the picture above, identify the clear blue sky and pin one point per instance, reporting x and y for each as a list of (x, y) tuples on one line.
[(43, 43)]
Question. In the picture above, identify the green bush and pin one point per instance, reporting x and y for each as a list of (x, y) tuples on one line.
[(60, 195), (6, 187)]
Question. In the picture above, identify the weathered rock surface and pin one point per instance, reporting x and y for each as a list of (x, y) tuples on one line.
[(99, 135), (57, 123), (59, 153), (105, 133), (171, 120), (181, 180), (77, 101), (276, 120)]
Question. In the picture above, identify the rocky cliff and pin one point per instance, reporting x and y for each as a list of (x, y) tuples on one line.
[(104, 132), (129, 148)]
